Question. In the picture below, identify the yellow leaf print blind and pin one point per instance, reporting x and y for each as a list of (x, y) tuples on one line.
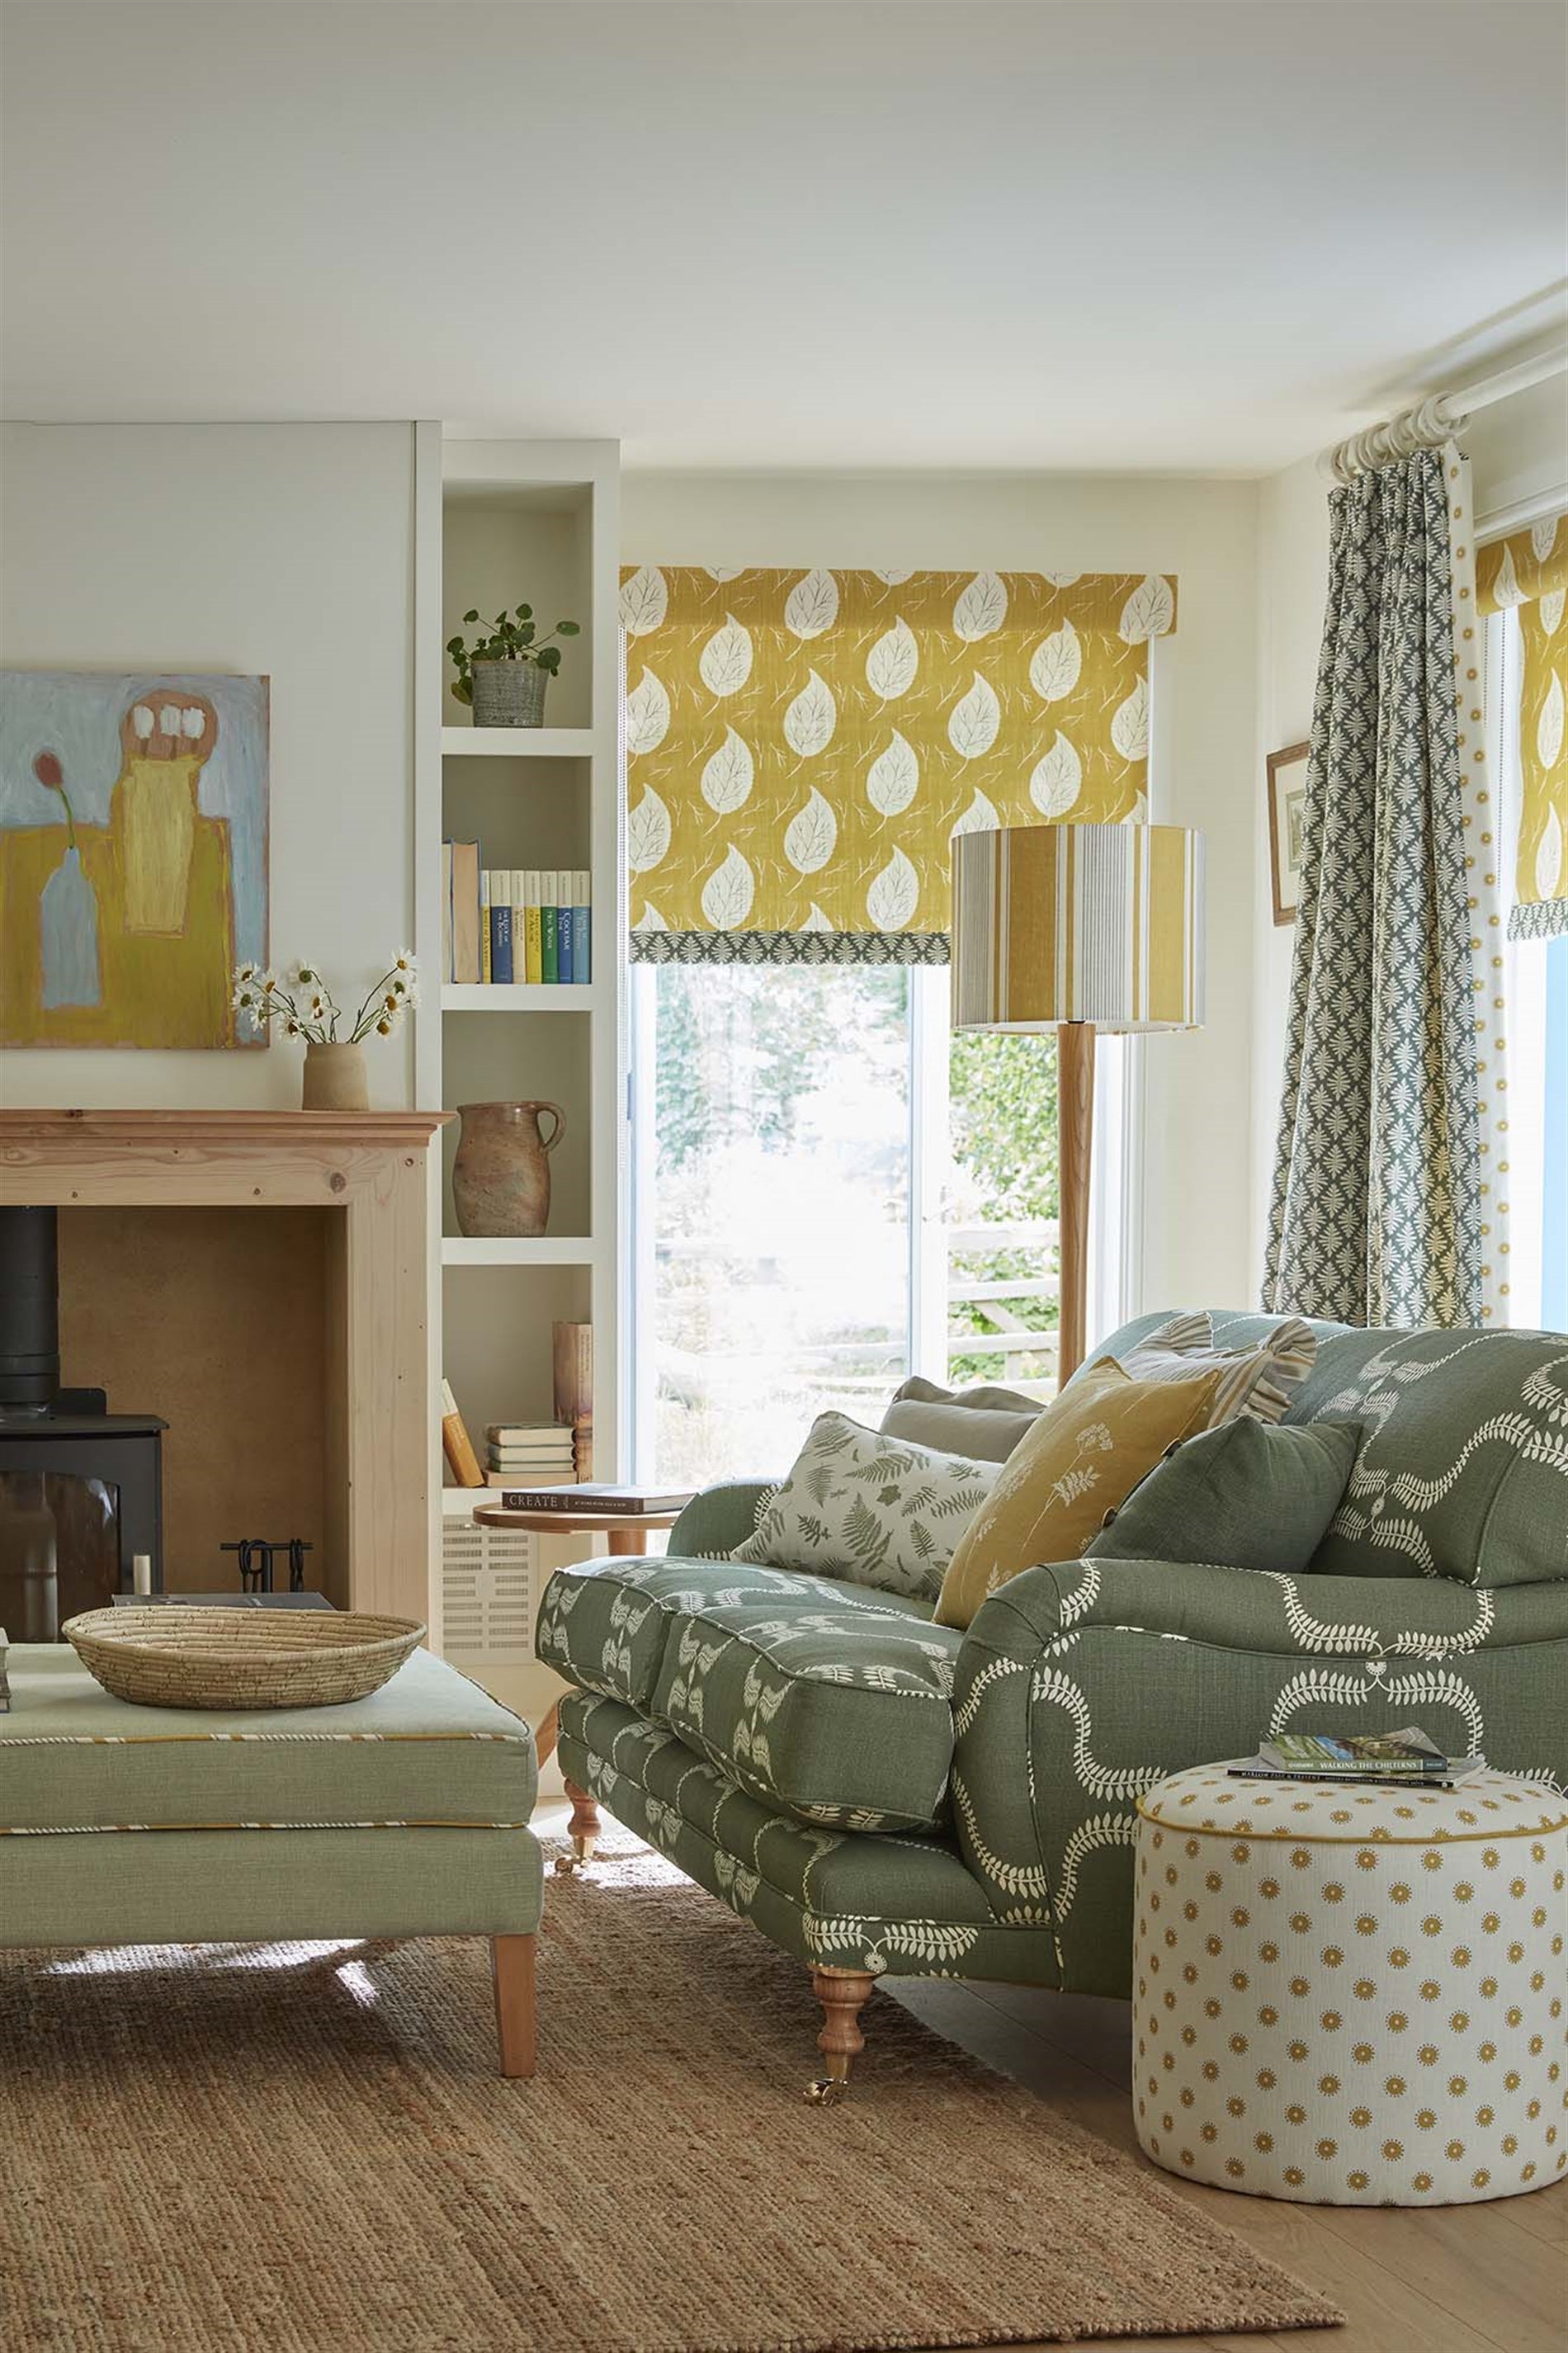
[(1530, 570), (803, 745)]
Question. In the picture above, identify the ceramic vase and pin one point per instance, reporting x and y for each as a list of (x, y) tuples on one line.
[(334, 1079), (501, 1178)]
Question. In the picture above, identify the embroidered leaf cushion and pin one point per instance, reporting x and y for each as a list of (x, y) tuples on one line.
[(873, 1510), (1085, 1454), (1245, 1495)]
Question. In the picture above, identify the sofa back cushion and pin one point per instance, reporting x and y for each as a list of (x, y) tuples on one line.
[(1463, 1470), (985, 1423)]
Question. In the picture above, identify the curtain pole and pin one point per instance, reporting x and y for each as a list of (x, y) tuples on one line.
[(1440, 415)]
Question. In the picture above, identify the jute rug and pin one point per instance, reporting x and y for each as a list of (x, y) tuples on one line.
[(305, 2149)]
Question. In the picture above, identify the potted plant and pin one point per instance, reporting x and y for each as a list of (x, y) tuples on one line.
[(304, 1007), (503, 675)]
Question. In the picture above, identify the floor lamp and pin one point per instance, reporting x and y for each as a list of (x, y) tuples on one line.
[(1077, 928)]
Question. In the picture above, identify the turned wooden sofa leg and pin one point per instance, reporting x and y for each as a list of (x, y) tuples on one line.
[(842, 1993), (511, 1963), (583, 1829)]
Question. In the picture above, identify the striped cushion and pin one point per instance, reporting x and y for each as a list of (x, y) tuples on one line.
[(1259, 1382)]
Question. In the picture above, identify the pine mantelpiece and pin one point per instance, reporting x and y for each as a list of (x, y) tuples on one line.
[(373, 1174)]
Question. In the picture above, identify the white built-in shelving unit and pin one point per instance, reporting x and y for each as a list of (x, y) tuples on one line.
[(503, 522)]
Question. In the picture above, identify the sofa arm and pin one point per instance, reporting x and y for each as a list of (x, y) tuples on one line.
[(1080, 1684), (719, 1518)]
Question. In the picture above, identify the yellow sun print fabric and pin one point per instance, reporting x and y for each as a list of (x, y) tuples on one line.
[(802, 745)]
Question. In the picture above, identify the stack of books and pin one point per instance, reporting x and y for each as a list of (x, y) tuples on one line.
[(1399, 1760), (511, 923), (536, 1454)]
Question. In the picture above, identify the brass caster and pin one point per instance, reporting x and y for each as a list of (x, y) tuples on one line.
[(827, 2092), (566, 1864)]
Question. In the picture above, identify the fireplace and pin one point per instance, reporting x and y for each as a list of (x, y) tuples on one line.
[(76, 1483), (257, 1281)]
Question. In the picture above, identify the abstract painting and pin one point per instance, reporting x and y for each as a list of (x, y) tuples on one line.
[(132, 856)]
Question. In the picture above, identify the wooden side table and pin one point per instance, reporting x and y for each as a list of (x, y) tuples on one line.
[(625, 1531)]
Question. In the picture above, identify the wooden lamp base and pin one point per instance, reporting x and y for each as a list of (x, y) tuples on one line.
[(1075, 1136)]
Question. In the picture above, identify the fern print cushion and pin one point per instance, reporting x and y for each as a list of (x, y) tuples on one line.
[(875, 1511)]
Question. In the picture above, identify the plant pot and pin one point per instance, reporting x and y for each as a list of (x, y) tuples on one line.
[(509, 693), (501, 1178), (334, 1079)]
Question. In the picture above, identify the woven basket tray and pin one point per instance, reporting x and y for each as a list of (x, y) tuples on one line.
[(170, 1657)]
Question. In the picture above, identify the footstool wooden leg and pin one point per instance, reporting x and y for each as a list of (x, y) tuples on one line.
[(841, 1993), (511, 1960)]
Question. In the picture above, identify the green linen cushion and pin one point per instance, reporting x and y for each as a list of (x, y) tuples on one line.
[(873, 1510), (985, 1423), (1246, 1495)]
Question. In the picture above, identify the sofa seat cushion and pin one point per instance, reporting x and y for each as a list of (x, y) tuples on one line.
[(821, 1698), (834, 1706), (604, 1624)]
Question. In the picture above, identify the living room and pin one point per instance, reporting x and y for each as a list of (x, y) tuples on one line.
[(1010, 557)]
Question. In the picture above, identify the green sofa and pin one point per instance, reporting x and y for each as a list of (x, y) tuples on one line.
[(880, 1795)]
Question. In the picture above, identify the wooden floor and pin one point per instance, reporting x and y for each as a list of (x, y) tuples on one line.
[(1452, 2279)]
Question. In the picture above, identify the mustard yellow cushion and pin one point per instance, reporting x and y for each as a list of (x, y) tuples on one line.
[(1082, 1458)]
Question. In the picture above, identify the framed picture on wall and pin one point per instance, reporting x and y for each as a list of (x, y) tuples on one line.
[(1286, 810)]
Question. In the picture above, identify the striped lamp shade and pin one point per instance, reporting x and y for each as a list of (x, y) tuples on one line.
[(1101, 924)]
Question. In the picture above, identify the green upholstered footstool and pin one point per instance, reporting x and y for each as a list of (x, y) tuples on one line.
[(405, 1814)]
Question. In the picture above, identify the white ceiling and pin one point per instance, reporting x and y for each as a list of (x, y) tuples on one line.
[(1020, 235)]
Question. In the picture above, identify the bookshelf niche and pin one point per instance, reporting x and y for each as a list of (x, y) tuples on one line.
[(503, 523)]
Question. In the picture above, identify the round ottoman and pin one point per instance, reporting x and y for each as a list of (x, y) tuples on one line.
[(1351, 1996)]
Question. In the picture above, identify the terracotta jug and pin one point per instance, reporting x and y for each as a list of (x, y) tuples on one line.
[(501, 1178)]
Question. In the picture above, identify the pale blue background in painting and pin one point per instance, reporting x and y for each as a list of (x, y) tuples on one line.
[(78, 714)]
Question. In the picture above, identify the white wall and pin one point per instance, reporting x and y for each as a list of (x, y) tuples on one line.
[(286, 549), (1198, 1106), (1518, 451)]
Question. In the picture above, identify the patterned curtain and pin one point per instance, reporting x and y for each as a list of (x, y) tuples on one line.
[(803, 747), (1384, 1211), (1530, 570)]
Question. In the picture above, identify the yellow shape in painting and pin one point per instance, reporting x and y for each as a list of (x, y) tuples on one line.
[(154, 813)]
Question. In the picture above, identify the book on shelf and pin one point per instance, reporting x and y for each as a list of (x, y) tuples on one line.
[(466, 910), (520, 1433), (514, 923), (527, 1463), (4, 1685), (591, 1495), (456, 1443)]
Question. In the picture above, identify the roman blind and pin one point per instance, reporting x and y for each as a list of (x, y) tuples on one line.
[(1530, 570), (803, 745)]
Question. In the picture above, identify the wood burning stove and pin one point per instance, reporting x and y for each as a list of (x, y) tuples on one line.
[(63, 1436)]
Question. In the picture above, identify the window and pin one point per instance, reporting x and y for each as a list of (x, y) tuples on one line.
[(1537, 993), (829, 1191)]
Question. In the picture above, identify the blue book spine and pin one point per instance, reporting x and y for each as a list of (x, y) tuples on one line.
[(581, 958), (501, 944)]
